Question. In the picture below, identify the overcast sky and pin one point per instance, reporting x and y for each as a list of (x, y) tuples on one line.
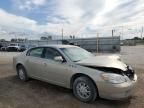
[(76, 17)]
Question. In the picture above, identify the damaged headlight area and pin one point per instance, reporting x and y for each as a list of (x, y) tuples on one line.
[(113, 78), (129, 72)]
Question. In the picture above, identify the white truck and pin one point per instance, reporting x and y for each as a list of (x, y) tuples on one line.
[(16, 47)]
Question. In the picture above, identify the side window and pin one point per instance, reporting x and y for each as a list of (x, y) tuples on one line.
[(51, 53), (37, 52)]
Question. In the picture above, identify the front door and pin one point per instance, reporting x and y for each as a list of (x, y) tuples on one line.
[(56, 72)]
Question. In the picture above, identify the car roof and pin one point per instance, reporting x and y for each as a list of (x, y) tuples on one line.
[(58, 46)]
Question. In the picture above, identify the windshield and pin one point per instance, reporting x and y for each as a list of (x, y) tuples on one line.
[(76, 53), (13, 44)]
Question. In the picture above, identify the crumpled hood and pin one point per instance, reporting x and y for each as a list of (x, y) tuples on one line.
[(111, 61)]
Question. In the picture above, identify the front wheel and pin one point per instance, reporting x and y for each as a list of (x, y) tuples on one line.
[(21, 72), (84, 89)]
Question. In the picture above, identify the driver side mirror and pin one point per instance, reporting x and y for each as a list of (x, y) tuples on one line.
[(58, 58)]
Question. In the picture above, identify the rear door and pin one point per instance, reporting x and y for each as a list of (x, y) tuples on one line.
[(34, 62)]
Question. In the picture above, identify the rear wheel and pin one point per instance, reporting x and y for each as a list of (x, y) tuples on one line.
[(21, 72), (84, 89)]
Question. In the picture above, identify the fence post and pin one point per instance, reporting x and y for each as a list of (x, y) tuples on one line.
[(97, 42)]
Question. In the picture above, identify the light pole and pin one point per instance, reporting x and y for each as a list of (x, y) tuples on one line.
[(62, 34), (142, 32)]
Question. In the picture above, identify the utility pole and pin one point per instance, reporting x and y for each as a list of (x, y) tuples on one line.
[(141, 32), (62, 34), (112, 33), (122, 33)]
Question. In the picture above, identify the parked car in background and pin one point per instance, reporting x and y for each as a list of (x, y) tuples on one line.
[(13, 47), (72, 67), (16, 47), (3, 48), (22, 47)]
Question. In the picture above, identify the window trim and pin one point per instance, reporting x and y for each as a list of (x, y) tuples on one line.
[(28, 52)]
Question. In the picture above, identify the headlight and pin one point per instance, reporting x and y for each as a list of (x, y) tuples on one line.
[(113, 78), (129, 67)]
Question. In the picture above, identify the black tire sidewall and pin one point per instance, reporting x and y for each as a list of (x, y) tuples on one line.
[(93, 89), (24, 71)]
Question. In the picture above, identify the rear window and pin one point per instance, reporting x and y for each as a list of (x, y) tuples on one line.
[(36, 52), (13, 44)]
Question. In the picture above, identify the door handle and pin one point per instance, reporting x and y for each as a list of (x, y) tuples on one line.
[(72, 66)]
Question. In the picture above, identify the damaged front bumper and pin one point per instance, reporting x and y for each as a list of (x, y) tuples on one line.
[(117, 91)]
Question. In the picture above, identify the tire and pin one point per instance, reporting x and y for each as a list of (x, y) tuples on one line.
[(17, 50), (89, 93), (7, 50), (21, 72)]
